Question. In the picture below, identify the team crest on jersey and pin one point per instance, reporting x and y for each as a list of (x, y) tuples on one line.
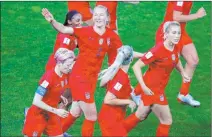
[(101, 41), (108, 41), (35, 134), (161, 98), (173, 57), (62, 83), (87, 95)]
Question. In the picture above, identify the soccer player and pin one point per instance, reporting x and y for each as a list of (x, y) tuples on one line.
[(117, 98), (162, 59), (73, 19), (94, 42), (44, 116), (83, 8), (180, 11)]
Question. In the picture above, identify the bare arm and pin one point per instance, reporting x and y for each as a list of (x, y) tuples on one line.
[(58, 26), (37, 101), (178, 16), (179, 67), (111, 99), (137, 54), (138, 73)]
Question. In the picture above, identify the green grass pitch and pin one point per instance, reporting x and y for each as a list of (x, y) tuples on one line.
[(27, 41)]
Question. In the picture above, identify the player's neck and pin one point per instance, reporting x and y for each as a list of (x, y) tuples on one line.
[(168, 45), (99, 30), (57, 71)]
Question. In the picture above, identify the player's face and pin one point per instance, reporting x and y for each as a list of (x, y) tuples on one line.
[(76, 20), (66, 66), (100, 17), (174, 34)]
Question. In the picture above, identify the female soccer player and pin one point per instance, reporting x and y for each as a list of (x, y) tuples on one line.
[(162, 59), (180, 11), (73, 19), (113, 110), (94, 42), (43, 116)]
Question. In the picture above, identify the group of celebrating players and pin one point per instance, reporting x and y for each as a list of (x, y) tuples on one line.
[(71, 80)]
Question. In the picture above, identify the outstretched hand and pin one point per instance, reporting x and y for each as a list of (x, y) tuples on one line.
[(48, 16)]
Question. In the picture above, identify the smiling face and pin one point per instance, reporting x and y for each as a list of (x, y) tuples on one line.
[(76, 20), (173, 34), (100, 16)]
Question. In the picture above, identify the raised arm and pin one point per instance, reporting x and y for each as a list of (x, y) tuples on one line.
[(58, 26), (178, 16)]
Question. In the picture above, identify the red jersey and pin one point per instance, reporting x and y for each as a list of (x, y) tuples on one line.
[(121, 88), (92, 49), (161, 62), (181, 6), (112, 8), (62, 41), (55, 86)]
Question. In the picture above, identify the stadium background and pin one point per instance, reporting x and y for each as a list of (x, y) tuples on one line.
[(27, 41)]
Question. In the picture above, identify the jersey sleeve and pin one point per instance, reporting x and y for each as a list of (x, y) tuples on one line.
[(116, 85), (178, 5), (46, 81), (150, 56), (115, 44), (65, 41)]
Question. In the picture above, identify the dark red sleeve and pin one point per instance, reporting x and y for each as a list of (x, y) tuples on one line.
[(178, 5), (115, 44)]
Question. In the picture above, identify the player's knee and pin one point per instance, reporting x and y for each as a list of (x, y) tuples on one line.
[(92, 117), (141, 116), (167, 121), (76, 114), (193, 62)]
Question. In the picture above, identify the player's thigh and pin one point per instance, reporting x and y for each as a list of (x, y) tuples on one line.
[(34, 125), (142, 111), (54, 126), (163, 113), (75, 109), (189, 53), (89, 110)]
